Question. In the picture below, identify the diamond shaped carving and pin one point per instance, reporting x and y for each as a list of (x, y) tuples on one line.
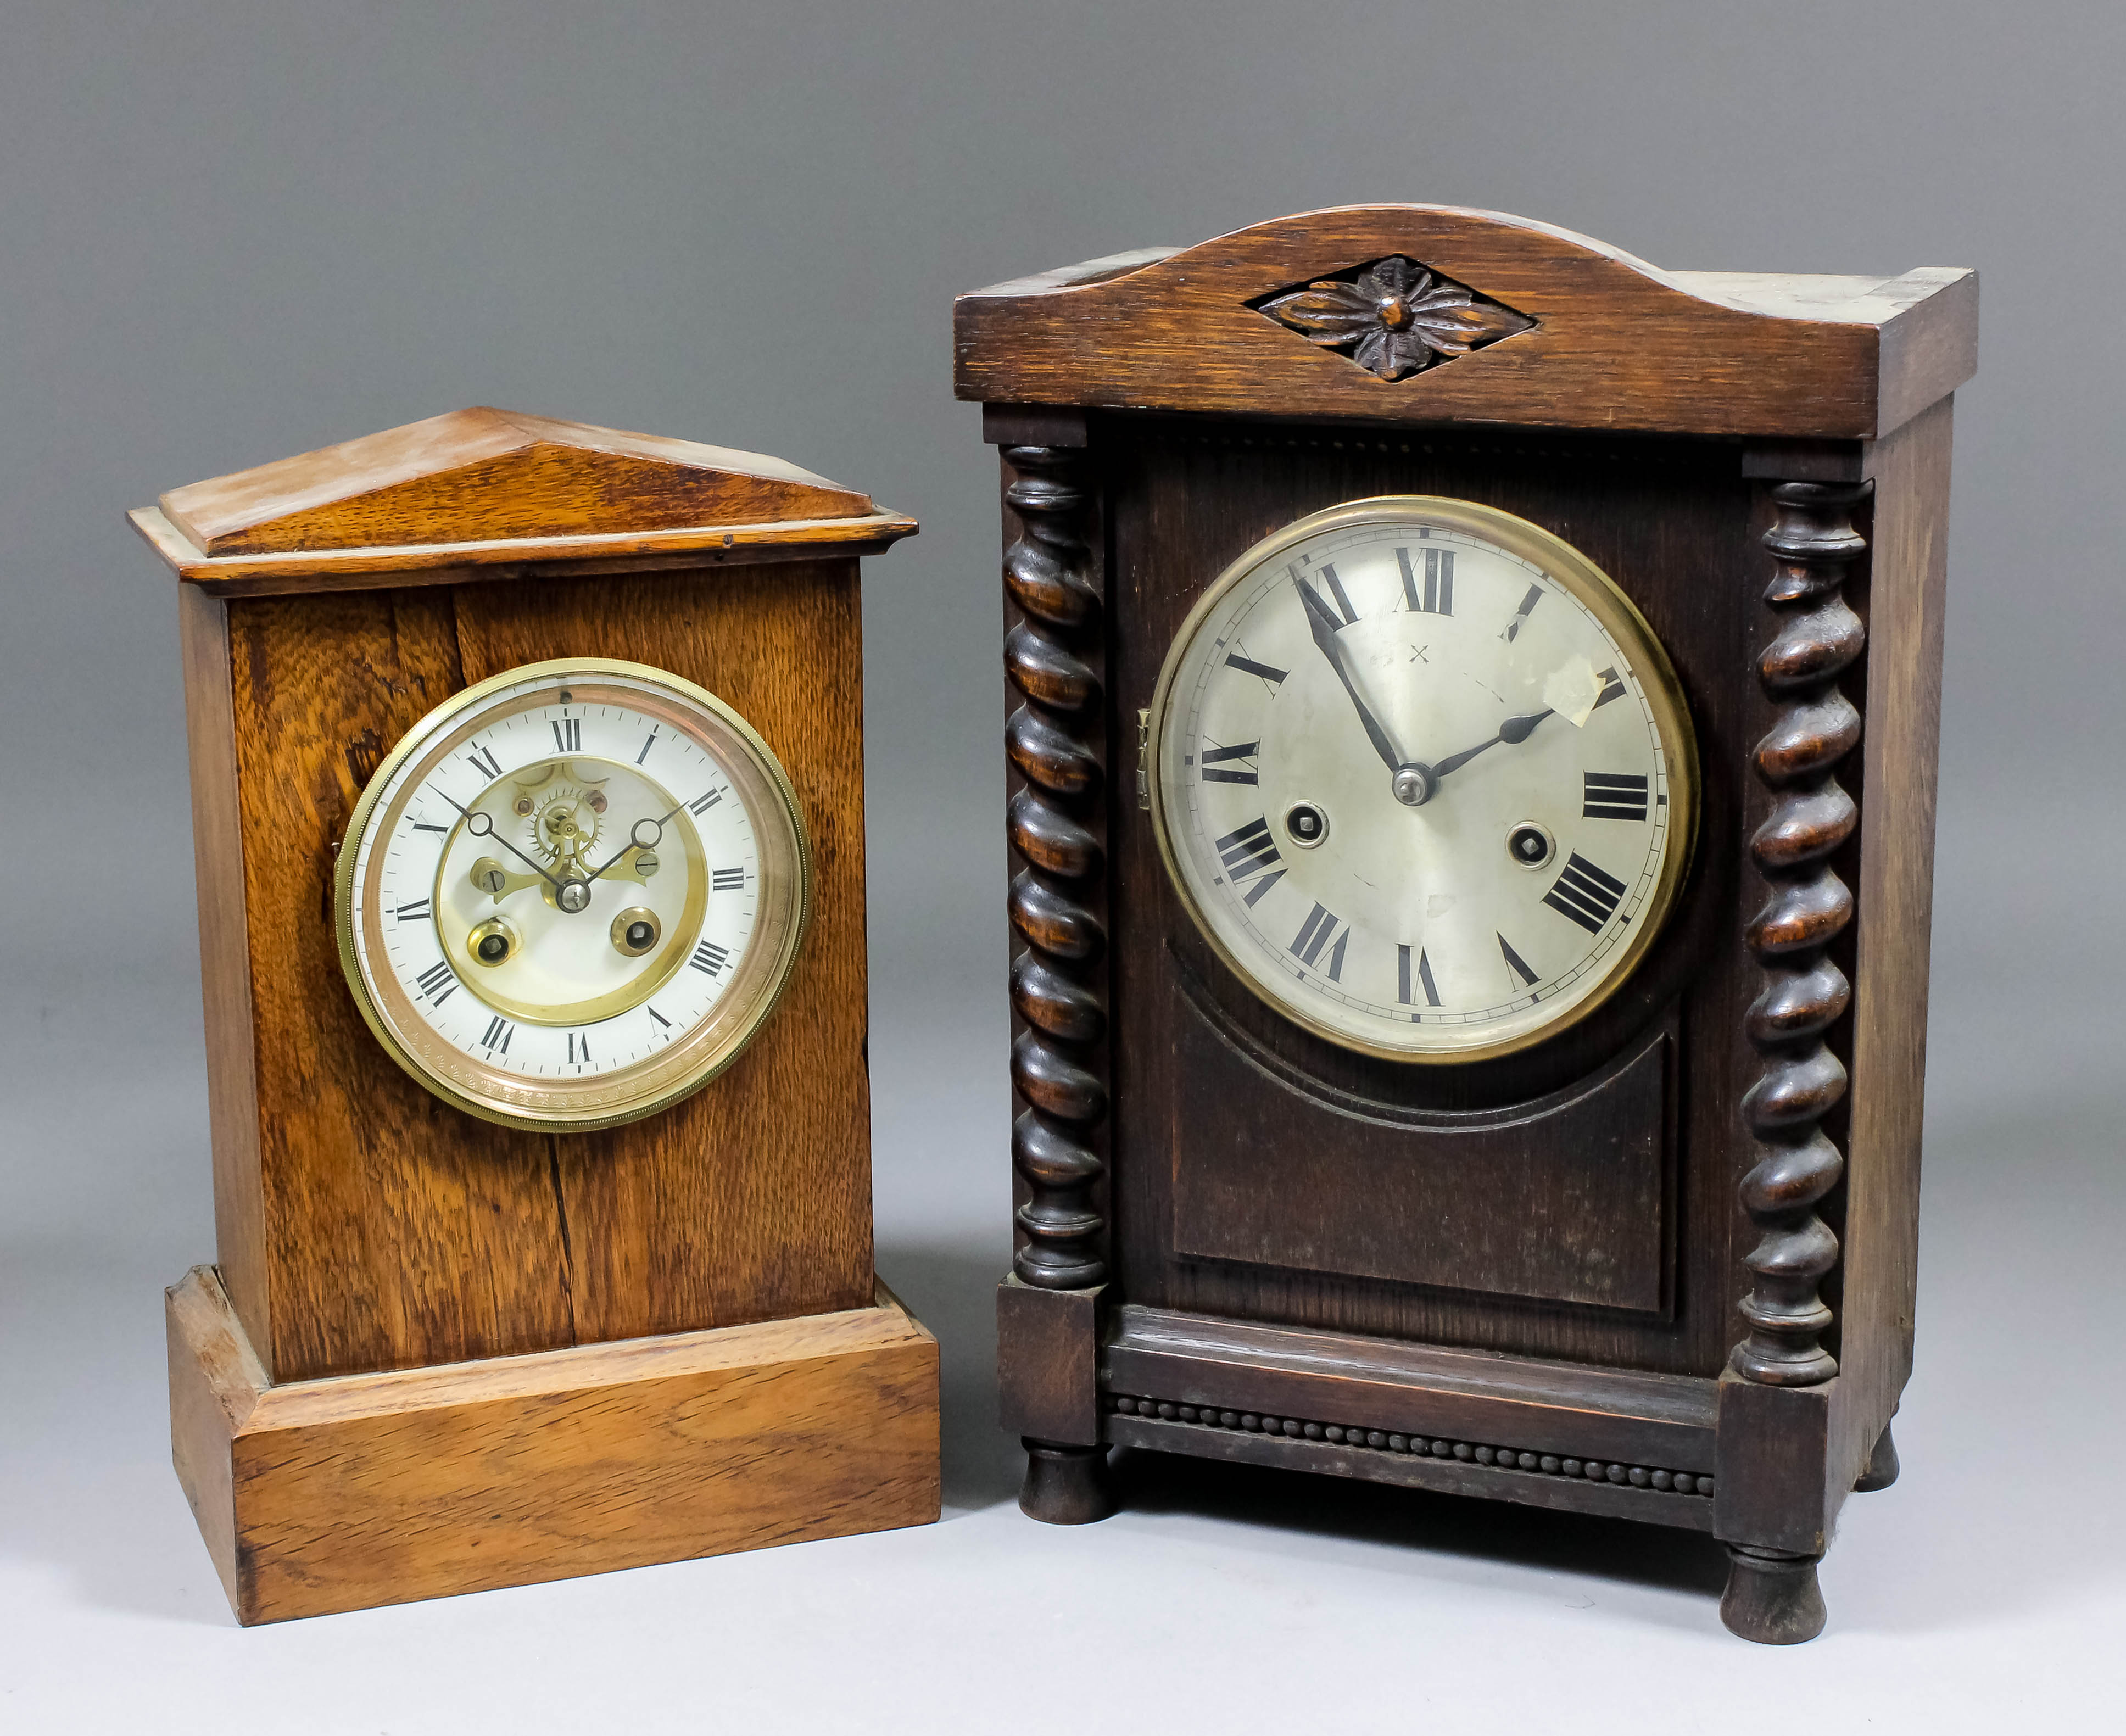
[(1393, 317)]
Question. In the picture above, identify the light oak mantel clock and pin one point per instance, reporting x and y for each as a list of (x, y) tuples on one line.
[(527, 797), (1472, 758)]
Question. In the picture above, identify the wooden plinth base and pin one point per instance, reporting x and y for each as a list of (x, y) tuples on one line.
[(340, 1494)]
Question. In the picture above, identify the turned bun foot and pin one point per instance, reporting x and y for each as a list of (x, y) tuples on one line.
[(1065, 1485), (1772, 1598), (1882, 1465)]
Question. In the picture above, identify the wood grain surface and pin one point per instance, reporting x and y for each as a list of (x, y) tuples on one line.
[(1345, 1378), (1617, 344), (1773, 1454), (1669, 521), (1281, 1286), (346, 1493), (232, 1059), (399, 1232), (1048, 1344), (1903, 601), (483, 475), (1561, 1198)]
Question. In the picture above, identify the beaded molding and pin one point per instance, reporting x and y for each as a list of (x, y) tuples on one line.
[(1409, 1446)]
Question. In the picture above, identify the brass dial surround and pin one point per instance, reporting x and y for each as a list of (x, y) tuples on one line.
[(1330, 750), (658, 1032)]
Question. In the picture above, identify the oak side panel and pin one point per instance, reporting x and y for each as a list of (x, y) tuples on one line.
[(1907, 589), (232, 1082), (1669, 521), (752, 1199), (396, 1230)]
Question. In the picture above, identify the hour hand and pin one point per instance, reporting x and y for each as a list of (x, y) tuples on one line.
[(632, 864), (636, 860), (1324, 626), (1513, 733)]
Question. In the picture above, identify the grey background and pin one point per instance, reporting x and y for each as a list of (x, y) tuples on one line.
[(231, 232)]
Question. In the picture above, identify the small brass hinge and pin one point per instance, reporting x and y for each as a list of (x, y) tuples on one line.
[(1143, 750)]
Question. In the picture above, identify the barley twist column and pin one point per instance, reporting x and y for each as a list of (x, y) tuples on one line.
[(1055, 742), (1804, 992)]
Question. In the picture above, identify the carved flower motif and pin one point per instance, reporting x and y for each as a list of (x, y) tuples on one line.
[(1396, 317)]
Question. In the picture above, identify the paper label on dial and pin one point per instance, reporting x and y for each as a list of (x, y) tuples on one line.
[(1572, 691)]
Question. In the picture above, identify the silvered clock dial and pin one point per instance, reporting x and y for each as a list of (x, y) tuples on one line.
[(1423, 777), (572, 894)]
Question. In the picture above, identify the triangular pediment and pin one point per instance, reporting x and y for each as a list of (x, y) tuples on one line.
[(490, 476)]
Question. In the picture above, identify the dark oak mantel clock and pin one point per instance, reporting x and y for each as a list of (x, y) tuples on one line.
[(528, 796), (1471, 807)]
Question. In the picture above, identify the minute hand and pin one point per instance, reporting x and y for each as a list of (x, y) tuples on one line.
[(1513, 733), (488, 830), (1322, 626)]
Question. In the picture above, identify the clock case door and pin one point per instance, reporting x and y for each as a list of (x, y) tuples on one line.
[(1519, 1278), (1529, 1203)]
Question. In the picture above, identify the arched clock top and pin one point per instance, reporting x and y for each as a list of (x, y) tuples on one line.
[(1435, 313)]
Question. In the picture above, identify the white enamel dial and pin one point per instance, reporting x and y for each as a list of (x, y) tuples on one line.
[(1423, 777), (572, 893)]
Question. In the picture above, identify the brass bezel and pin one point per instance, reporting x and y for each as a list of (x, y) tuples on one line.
[(785, 876), (1618, 615)]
